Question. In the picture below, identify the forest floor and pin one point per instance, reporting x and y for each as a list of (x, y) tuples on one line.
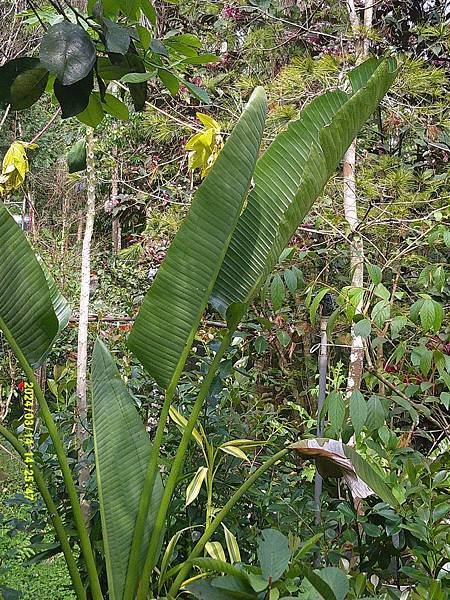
[(34, 580)]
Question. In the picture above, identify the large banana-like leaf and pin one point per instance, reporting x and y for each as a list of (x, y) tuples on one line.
[(60, 305), (290, 176), (122, 451), (336, 459), (168, 319), (26, 306)]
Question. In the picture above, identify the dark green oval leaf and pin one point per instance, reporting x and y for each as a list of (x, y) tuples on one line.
[(74, 98), (68, 52), (28, 87), (93, 114), (274, 554), (76, 157), (10, 71)]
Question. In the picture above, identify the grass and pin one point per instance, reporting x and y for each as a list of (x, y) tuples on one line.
[(41, 581)]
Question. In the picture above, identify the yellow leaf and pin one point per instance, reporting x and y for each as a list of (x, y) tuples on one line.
[(234, 452), (242, 443), (232, 545), (208, 121), (215, 550), (14, 167), (181, 422), (193, 489), (204, 146)]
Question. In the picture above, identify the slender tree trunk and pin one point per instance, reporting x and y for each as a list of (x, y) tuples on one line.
[(82, 408), (356, 263), (356, 362), (116, 233)]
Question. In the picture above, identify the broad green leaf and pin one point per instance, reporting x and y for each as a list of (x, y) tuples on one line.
[(315, 587), (138, 91), (28, 87), (397, 324), (261, 344), (26, 306), (291, 175), (314, 306), (381, 291), (283, 337), (362, 328), (115, 107), (215, 550), (308, 545), (158, 47), (274, 554), (358, 411), (426, 314), (370, 476), (336, 412), (277, 292), (204, 589), (330, 582), (232, 545), (122, 451), (76, 157), (68, 52), (9, 73), (117, 37), (375, 413), (168, 319), (197, 92), (381, 313), (290, 278), (93, 114), (149, 11), (422, 357), (438, 316), (60, 305), (137, 77), (109, 71), (169, 80), (74, 99), (193, 489), (375, 273), (145, 37)]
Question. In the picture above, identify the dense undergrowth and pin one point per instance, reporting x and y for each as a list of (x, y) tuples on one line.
[(266, 389)]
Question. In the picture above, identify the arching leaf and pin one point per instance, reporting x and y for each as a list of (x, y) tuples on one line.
[(166, 324), (26, 306), (290, 176), (122, 451)]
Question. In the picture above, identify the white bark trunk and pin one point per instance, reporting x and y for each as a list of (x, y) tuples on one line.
[(356, 362), (356, 263), (368, 18), (81, 392)]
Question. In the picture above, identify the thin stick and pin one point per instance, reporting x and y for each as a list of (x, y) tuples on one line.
[(47, 126)]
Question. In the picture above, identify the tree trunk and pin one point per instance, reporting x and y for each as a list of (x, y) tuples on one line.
[(356, 263), (116, 233), (82, 409), (356, 361)]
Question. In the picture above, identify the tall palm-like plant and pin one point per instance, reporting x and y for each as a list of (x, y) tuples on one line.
[(228, 243)]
